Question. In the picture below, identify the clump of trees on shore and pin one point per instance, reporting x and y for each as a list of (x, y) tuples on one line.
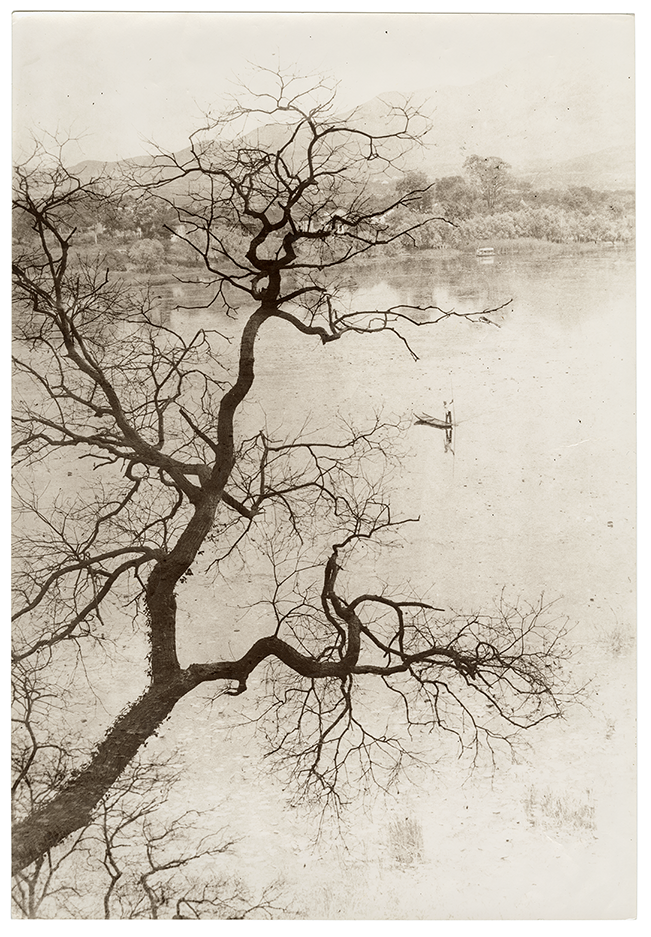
[(488, 202)]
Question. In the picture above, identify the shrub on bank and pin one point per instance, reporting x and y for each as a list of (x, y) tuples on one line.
[(148, 255), (547, 223)]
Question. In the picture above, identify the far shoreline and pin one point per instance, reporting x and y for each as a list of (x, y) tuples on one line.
[(501, 247)]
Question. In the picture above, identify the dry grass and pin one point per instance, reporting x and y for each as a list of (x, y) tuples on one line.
[(405, 842), (617, 641), (562, 813)]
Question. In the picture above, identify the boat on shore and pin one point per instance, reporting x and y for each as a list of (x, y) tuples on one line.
[(485, 252)]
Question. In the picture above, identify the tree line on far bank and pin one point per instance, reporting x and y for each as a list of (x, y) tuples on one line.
[(486, 202)]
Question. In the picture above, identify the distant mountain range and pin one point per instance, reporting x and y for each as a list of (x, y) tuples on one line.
[(612, 168), (575, 125)]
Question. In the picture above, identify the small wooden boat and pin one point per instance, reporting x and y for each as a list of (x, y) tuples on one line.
[(485, 252), (424, 419)]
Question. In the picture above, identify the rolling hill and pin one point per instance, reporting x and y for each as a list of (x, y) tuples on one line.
[(556, 123)]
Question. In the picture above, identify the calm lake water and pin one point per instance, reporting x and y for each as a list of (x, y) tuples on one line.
[(538, 495)]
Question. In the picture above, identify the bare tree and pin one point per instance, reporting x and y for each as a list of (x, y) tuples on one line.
[(42, 761), (136, 860), (164, 868), (274, 196)]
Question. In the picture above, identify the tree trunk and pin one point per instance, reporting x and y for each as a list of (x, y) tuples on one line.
[(72, 808)]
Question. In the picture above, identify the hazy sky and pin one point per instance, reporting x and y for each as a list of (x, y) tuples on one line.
[(123, 78)]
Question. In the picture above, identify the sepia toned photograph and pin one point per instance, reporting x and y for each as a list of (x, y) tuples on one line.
[(324, 467)]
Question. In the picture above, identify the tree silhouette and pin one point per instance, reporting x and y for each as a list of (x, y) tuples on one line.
[(455, 197), (167, 483), (491, 174), (135, 859)]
